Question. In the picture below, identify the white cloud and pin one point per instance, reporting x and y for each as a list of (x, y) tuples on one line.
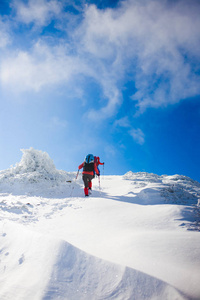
[(156, 42), (43, 66), (137, 135), (38, 11)]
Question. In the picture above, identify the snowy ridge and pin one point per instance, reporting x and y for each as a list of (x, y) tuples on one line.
[(175, 189), (135, 238)]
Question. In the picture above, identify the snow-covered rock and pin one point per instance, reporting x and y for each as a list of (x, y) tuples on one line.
[(35, 173)]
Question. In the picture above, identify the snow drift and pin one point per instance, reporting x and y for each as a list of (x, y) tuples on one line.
[(66, 272), (136, 238)]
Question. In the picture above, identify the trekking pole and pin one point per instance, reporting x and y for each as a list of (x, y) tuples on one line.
[(99, 183), (77, 174), (74, 182)]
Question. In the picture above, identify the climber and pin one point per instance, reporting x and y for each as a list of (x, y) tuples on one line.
[(97, 161), (89, 169)]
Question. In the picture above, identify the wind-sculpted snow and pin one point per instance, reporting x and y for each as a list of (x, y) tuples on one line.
[(77, 275), (35, 174), (49, 269)]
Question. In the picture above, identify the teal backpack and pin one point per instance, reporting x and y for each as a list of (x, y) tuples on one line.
[(89, 158)]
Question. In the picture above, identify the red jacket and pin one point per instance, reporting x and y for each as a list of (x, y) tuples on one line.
[(89, 173), (97, 160)]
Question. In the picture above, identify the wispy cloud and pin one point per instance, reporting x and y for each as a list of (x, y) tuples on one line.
[(113, 103), (123, 122), (137, 135), (57, 123), (4, 35)]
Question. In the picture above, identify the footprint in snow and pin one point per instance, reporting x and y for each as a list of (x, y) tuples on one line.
[(22, 259)]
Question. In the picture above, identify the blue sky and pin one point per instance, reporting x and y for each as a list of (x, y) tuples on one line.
[(119, 79)]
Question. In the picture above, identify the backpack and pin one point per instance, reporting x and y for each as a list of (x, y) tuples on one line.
[(89, 159)]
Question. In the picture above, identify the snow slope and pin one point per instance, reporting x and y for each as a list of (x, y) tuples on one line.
[(135, 238)]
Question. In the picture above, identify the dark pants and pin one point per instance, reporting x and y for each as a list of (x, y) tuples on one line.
[(86, 179)]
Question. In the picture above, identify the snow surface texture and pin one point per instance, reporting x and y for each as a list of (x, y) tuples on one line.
[(136, 237)]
